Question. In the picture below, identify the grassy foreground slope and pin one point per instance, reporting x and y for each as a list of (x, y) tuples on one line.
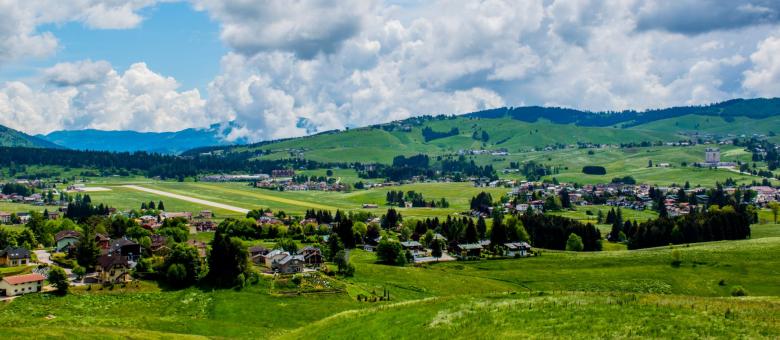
[(560, 294)]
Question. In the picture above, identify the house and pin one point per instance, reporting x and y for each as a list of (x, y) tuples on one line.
[(159, 245), (370, 206), (206, 214), (185, 215), (200, 246), (113, 269), (21, 284), (257, 253), (53, 215), (23, 217), (65, 239), (312, 256), (468, 249), (12, 257), (517, 249), (126, 248), (412, 246), (5, 218), (102, 241), (289, 264), (274, 255)]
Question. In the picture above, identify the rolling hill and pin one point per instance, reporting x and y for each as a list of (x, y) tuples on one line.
[(11, 137), (523, 129)]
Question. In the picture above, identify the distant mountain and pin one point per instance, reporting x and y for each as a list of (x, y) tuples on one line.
[(11, 137), (130, 141)]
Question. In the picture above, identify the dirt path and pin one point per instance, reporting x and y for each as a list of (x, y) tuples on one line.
[(188, 199)]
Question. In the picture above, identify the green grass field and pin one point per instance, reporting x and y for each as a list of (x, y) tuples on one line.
[(619, 294)]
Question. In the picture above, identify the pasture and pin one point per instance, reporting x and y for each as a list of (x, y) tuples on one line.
[(579, 295)]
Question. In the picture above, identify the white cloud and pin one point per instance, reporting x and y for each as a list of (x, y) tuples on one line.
[(303, 64), (20, 19), (764, 77), (101, 98)]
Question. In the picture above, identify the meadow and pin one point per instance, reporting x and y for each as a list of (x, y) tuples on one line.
[(577, 295)]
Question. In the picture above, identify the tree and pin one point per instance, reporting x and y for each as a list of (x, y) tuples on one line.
[(87, 250), (160, 206), (59, 280), (344, 266), (151, 205), (390, 252), (471, 233), (565, 200), (436, 249), (481, 228), (182, 266), (498, 233), (775, 207), (334, 246), (574, 243), (391, 219), (287, 244), (228, 260)]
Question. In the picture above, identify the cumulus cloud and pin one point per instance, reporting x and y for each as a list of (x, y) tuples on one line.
[(305, 27), (311, 65), (20, 19), (699, 16), (764, 77), (100, 98)]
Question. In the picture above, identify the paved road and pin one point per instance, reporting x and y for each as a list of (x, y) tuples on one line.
[(45, 257), (188, 199)]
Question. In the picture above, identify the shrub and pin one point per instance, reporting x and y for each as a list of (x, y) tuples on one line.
[(676, 258), (574, 243), (594, 170), (297, 279), (738, 291)]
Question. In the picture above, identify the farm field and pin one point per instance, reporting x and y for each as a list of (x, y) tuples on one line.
[(555, 293)]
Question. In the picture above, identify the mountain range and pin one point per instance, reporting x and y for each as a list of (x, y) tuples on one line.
[(507, 127), (129, 141)]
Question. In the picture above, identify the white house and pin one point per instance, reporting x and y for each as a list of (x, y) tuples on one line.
[(21, 284)]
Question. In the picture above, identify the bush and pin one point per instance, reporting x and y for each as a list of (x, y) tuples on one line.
[(297, 279), (574, 243), (594, 170), (676, 258), (738, 291)]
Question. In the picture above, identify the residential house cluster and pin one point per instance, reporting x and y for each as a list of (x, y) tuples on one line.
[(280, 261)]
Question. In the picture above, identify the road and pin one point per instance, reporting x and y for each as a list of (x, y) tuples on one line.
[(188, 199), (44, 257)]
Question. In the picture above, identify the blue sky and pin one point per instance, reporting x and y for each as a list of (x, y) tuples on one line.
[(282, 68), (173, 40)]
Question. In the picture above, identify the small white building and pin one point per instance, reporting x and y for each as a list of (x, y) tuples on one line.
[(712, 155), (21, 284)]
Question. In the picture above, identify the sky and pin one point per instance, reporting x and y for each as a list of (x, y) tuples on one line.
[(280, 69)]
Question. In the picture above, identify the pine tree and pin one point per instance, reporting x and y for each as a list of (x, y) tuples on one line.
[(481, 228), (160, 206)]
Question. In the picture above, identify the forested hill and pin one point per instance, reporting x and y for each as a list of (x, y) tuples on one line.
[(11, 137), (522, 129), (751, 108)]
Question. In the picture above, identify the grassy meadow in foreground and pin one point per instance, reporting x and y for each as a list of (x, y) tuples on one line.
[(581, 295)]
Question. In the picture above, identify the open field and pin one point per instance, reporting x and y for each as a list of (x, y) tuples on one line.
[(616, 294)]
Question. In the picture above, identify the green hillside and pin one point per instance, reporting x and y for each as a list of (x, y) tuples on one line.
[(619, 294), (11, 137), (375, 144)]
